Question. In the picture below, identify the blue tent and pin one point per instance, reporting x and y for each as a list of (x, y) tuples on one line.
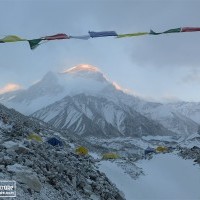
[(55, 142), (149, 150)]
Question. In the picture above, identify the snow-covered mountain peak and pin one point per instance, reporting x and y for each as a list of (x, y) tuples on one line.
[(82, 67), (88, 73), (54, 86), (85, 71)]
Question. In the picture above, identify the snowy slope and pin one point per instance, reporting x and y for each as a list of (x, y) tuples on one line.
[(189, 109), (97, 116), (170, 118), (183, 123), (167, 177), (190, 141)]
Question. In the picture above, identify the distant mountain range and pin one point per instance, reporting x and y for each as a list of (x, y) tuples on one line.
[(98, 116), (85, 102)]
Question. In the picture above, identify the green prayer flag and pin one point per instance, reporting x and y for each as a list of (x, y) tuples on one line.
[(132, 34), (174, 30), (34, 43)]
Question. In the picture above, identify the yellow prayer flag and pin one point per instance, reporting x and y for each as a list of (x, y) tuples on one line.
[(12, 38), (132, 34)]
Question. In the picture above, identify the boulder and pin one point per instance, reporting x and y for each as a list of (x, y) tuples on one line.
[(87, 189), (7, 160), (18, 168), (21, 150), (31, 180), (1, 168), (11, 152), (10, 144), (94, 197)]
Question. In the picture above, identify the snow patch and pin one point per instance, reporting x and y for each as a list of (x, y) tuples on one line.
[(167, 177)]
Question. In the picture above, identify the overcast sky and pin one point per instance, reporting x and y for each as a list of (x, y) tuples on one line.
[(164, 67)]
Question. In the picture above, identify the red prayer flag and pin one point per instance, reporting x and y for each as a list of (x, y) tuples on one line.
[(59, 36), (190, 29)]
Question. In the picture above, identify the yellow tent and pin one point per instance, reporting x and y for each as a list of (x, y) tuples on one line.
[(81, 150), (34, 137), (161, 149), (110, 156)]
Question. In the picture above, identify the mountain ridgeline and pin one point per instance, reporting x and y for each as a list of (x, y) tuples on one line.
[(97, 116), (85, 102)]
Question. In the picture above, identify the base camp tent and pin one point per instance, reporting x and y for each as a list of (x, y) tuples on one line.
[(35, 137), (161, 149), (110, 156), (81, 150), (55, 141), (149, 150)]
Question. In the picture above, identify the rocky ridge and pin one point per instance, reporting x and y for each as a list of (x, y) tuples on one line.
[(191, 153), (46, 172)]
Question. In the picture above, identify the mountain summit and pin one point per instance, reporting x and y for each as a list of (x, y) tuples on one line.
[(85, 71), (82, 67)]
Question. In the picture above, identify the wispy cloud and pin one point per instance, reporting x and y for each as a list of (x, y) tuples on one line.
[(9, 88)]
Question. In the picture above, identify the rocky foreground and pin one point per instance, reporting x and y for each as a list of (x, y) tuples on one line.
[(46, 172)]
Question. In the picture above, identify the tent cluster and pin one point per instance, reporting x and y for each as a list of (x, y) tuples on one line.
[(91, 34), (54, 141), (81, 150)]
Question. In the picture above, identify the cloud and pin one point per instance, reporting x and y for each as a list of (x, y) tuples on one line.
[(166, 98), (9, 88), (169, 51), (192, 77), (170, 99), (147, 64)]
